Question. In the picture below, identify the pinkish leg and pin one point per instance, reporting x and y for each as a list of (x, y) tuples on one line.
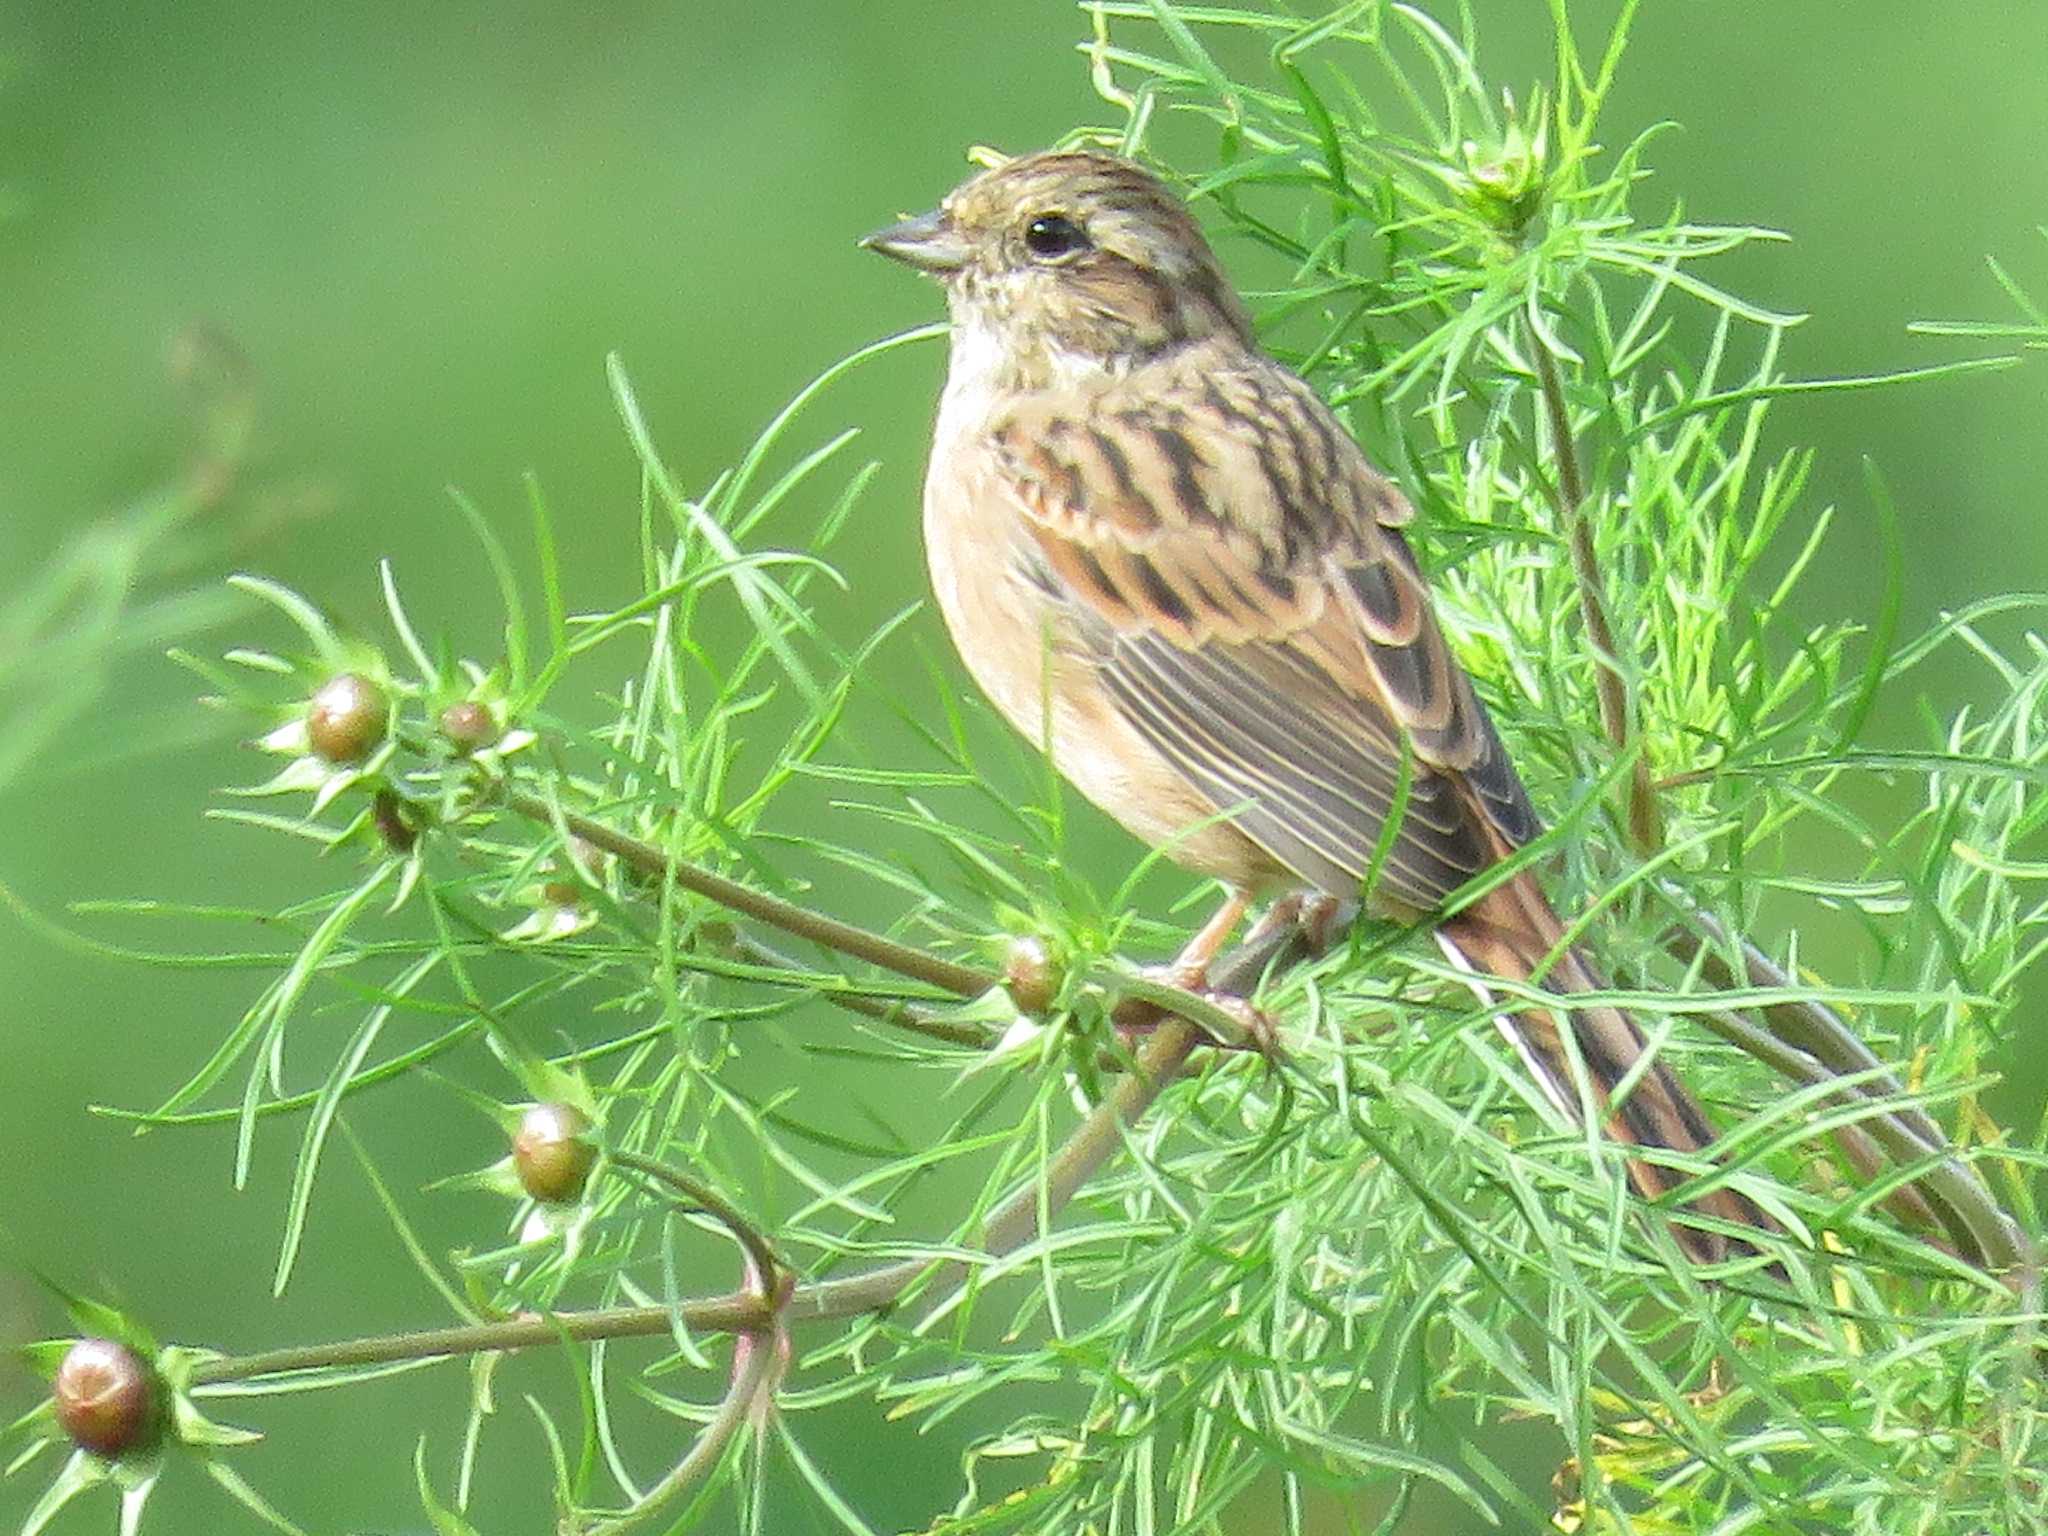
[(1190, 968)]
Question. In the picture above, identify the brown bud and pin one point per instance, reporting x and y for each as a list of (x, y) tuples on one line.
[(551, 1152), (106, 1398), (347, 718), (1030, 975), (469, 726)]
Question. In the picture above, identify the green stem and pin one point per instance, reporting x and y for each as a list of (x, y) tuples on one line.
[(751, 1381)]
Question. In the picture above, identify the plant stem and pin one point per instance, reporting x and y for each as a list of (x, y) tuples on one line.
[(845, 938), (1984, 1233), (1644, 823), (736, 1312), (751, 1379), (1810, 1044), (895, 1012), (768, 1267)]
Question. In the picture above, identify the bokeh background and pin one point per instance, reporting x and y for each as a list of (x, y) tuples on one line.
[(427, 225)]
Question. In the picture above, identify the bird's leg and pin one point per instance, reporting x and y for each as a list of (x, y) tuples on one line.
[(1316, 916), (1285, 913), (1322, 919), (1190, 968)]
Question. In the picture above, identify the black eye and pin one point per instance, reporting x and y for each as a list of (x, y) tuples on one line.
[(1051, 235)]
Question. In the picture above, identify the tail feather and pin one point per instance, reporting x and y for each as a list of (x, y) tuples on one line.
[(1509, 933)]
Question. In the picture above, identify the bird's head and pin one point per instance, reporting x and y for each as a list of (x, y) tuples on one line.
[(1071, 257)]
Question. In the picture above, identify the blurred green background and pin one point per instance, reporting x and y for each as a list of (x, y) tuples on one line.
[(426, 226)]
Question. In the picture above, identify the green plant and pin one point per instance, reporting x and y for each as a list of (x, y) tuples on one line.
[(1167, 1280)]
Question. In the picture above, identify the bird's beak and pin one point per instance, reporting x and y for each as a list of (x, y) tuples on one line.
[(927, 242)]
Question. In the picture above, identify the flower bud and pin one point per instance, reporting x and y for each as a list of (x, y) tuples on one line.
[(552, 1154), (1030, 976), (106, 1398), (347, 718), (469, 726), (1505, 180)]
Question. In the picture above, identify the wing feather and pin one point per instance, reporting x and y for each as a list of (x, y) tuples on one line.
[(1234, 564)]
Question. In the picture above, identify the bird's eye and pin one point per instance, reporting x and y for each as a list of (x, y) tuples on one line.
[(1052, 235)]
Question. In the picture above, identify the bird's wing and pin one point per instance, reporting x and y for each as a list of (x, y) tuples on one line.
[(1234, 563), (1236, 569)]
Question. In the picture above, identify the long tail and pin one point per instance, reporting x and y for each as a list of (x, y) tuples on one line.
[(1508, 933)]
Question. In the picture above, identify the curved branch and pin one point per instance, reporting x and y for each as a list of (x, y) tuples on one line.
[(1808, 1043), (767, 1264), (752, 1378)]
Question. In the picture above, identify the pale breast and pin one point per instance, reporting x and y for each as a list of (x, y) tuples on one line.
[(1019, 641)]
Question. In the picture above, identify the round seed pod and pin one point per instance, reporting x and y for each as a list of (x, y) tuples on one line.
[(347, 719), (552, 1153), (469, 726), (1030, 975), (106, 1398)]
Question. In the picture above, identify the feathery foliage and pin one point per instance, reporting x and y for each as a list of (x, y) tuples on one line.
[(1307, 1293)]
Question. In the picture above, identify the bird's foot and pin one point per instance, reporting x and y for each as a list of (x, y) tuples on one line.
[(1316, 917)]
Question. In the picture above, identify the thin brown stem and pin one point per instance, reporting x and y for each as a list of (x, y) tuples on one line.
[(1983, 1234), (1810, 1025), (1617, 713), (752, 1377), (1809, 1043), (802, 922), (1010, 1225), (891, 1011), (737, 1312), (768, 1266)]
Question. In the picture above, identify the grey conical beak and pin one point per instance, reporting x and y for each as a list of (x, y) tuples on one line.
[(927, 242)]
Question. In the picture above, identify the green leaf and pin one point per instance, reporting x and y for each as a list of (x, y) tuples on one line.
[(447, 1522), (81, 1472), (246, 1496)]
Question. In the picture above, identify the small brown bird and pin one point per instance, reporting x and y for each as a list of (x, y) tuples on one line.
[(1170, 566)]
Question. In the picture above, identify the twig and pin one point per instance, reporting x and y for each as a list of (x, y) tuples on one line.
[(1812, 1026), (751, 1378), (892, 1011), (846, 938), (1810, 1044), (1967, 1212), (767, 1265), (1645, 824)]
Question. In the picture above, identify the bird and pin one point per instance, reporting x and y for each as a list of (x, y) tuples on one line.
[(1169, 565)]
